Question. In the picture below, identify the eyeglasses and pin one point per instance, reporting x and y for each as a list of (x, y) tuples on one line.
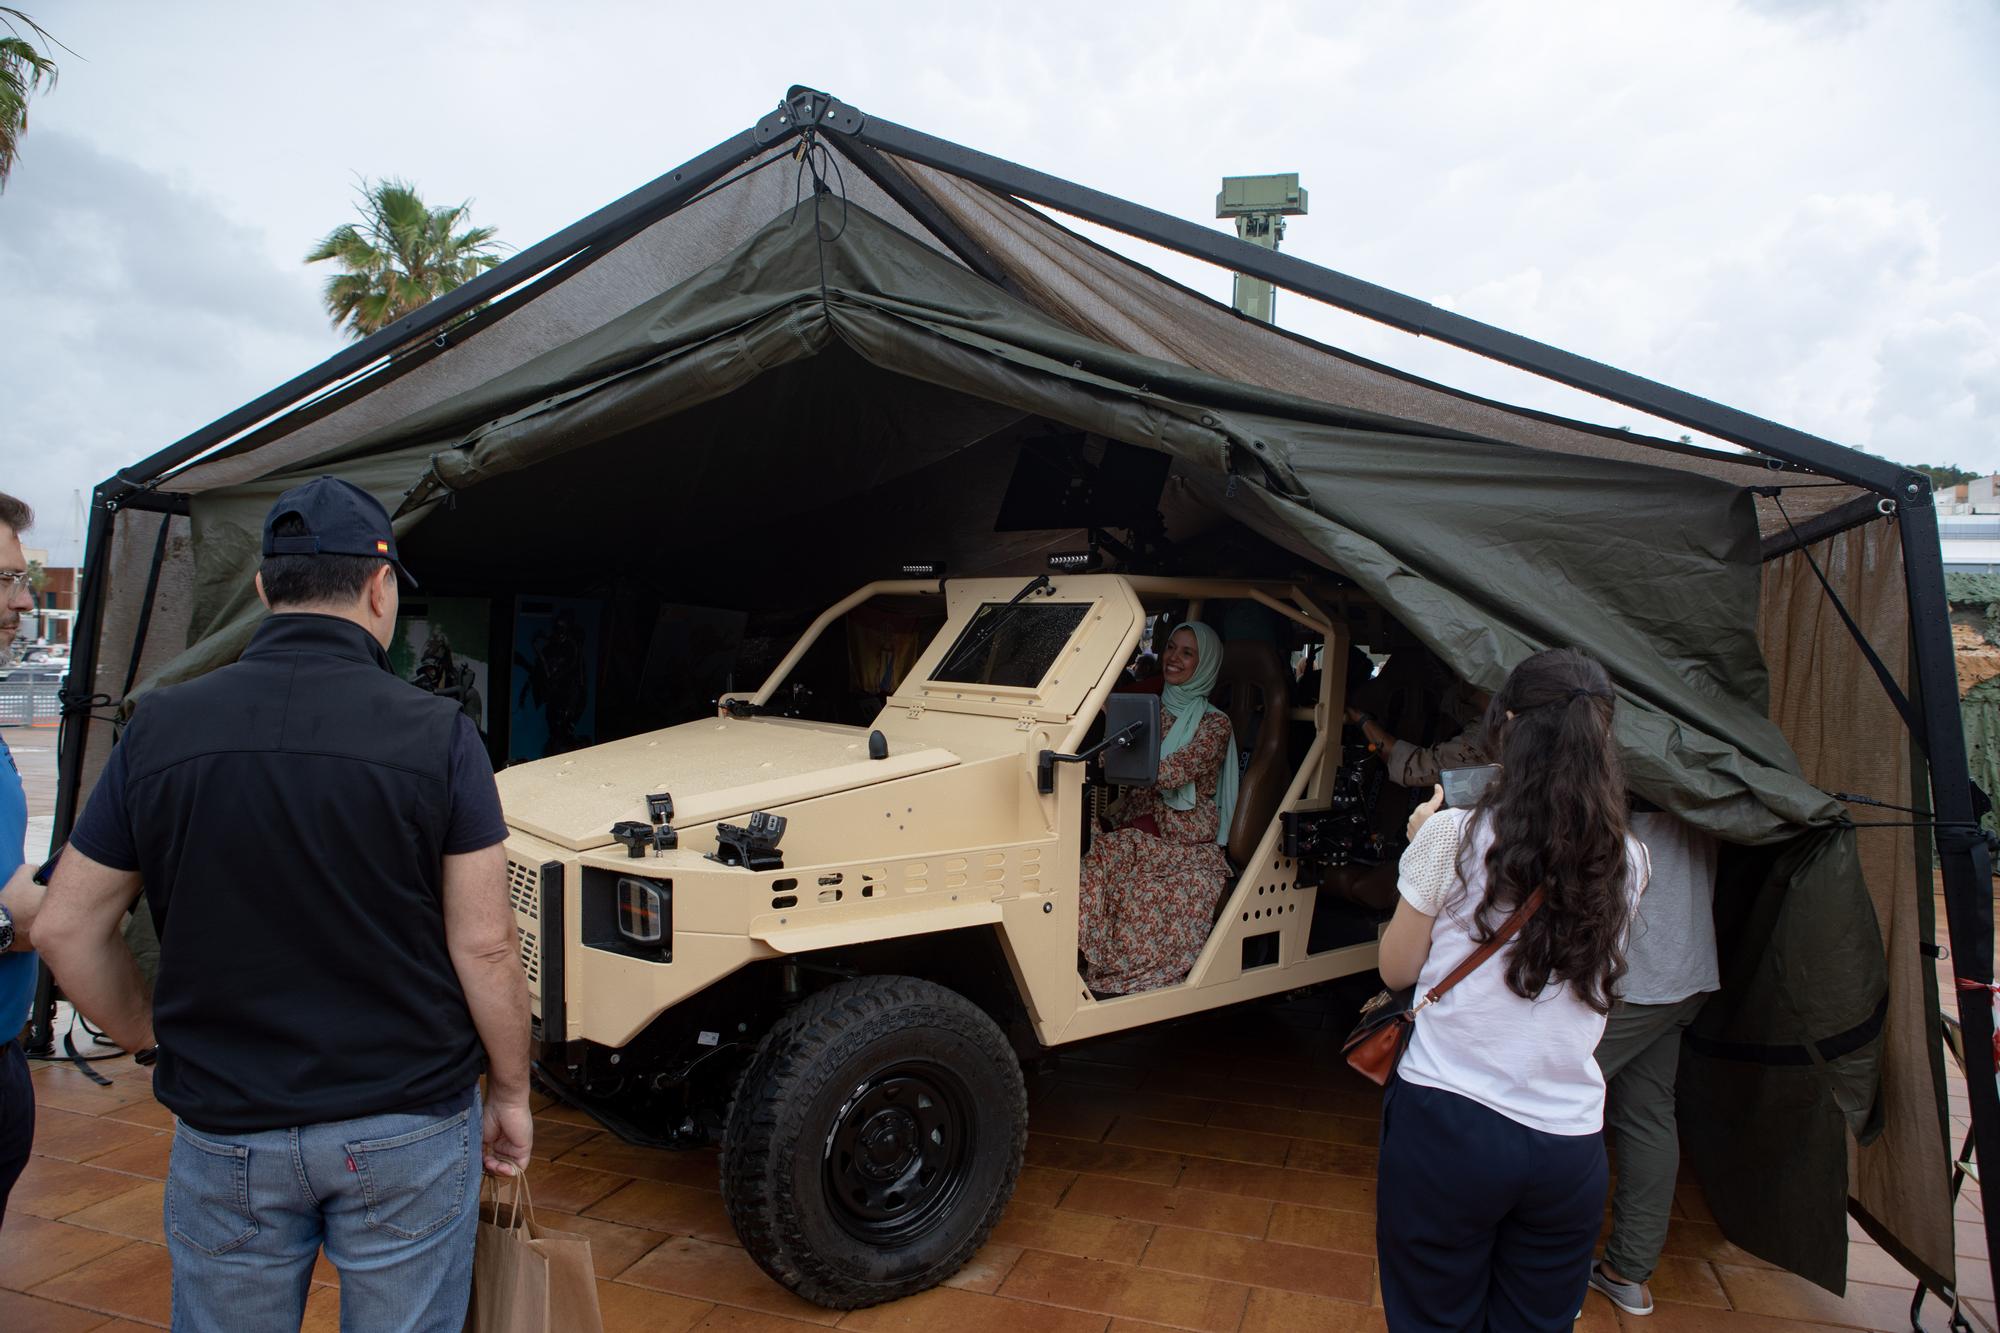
[(13, 579)]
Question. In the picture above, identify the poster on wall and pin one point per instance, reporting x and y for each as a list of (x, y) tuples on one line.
[(554, 700), (444, 645)]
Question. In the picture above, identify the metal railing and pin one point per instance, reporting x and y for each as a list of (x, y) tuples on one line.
[(30, 698)]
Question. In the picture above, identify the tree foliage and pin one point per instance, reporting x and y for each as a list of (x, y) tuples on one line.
[(24, 70), (1944, 474), (402, 255)]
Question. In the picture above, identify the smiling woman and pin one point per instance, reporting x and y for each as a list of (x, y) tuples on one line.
[(20, 896)]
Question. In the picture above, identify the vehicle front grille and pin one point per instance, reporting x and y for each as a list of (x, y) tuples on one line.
[(524, 890)]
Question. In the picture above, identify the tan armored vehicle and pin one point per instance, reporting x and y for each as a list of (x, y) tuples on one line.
[(832, 946)]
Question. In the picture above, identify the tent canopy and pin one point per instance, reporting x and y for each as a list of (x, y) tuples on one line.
[(751, 370)]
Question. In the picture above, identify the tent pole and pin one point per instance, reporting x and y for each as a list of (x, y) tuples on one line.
[(75, 734), (1962, 852), (1388, 307)]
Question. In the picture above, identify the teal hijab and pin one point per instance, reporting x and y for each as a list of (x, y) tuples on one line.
[(1189, 704)]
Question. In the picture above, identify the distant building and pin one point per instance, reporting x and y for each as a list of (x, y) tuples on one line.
[(55, 603), (1969, 526)]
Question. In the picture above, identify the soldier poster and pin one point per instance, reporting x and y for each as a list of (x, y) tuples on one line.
[(444, 645), (554, 703)]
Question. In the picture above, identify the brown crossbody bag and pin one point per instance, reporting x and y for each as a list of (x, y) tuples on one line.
[(1378, 1041)]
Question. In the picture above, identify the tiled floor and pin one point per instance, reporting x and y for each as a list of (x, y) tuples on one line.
[(1218, 1177)]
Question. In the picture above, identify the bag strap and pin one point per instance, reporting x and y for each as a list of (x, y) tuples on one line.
[(1508, 930)]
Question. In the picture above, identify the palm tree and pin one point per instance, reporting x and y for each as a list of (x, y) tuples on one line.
[(400, 256), (23, 70)]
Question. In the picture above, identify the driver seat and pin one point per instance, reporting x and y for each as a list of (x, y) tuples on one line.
[(1255, 689)]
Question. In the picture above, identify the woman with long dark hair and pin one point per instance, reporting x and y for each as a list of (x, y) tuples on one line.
[(1492, 1181)]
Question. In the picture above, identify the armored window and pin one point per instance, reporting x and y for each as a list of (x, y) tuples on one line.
[(1010, 645)]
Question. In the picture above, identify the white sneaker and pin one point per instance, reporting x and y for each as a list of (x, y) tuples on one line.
[(1631, 1297)]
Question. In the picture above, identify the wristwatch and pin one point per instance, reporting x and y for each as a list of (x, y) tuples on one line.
[(6, 931)]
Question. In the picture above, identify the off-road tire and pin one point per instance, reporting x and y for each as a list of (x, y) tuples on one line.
[(812, 1078)]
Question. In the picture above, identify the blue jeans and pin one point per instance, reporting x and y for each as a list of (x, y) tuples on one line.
[(393, 1198)]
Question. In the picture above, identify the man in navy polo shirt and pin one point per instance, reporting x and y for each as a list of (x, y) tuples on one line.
[(19, 894), (319, 843)]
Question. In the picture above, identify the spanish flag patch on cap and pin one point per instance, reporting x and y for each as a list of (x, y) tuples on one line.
[(382, 547)]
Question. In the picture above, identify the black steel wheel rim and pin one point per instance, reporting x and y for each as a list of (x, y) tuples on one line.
[(899, 1152)]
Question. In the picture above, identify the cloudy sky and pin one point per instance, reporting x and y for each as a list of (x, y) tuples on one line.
[(1786, 205)]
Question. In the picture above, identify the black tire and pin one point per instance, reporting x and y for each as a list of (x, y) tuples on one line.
[(873, 1141)]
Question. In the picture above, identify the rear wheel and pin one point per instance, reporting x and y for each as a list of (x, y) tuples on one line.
[(873, 1141)]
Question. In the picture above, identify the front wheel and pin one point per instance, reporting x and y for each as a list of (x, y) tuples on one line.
[(874, 1140)]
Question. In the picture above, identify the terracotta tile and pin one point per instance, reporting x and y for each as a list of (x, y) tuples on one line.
[(571, 1189), (1290, 1311), (968, 1312), (147, 1114), (1198, 1141), (1155, 1105), (33, 1250), (1136, 1293), (322, 1311), (987, 1269), (133, 1282), (1704, 1240), (655, 1204), (1262, 1263), (1034, 1226), (148, 1157), (628, 1309), (65, 1088), (135, 1214), (613, 1247), (31, 1314), (1272, 1182), (1323, 1228), (1688, 1282), (1670, 1318), (728, 1319), (1336, 1159), (697, 1167), (1102, 1159), (324, 1273), (568, 1115), (125, 1326), (1319, 1125), (1073, 1069), (1784, 1295), (1178, 1082), (553, 1138), (1868, 1263), (78, 1138), (1069, 1116), (50, 1187), (1199, 1209), (1041, 1184), (1597, 1316), (720, 1273)]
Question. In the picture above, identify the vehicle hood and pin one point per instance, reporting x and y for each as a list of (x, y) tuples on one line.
[(717, 768)]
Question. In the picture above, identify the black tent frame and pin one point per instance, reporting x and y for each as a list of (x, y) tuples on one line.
[(1962, 852)]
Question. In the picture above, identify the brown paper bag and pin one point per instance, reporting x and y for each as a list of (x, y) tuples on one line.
[(528, 1278)]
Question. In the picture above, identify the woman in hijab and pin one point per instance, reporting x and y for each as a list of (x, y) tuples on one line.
[(1149, 887)]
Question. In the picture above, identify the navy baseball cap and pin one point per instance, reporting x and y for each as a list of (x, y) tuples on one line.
[(340, 519)]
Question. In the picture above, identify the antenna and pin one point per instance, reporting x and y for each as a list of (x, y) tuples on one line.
[(1260, 205)]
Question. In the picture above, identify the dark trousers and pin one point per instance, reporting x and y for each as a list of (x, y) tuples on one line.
[(1480, 1222), (17, 1119)]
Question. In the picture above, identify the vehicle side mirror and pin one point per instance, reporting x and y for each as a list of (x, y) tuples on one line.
[(1131, 745), (1132, 726)]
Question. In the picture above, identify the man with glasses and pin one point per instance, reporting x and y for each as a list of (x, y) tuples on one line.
[(319, 843), (19, 894)]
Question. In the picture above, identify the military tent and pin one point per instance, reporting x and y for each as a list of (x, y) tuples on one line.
[(774, 368)]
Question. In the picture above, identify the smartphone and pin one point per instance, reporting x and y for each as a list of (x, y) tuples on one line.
[(1464, 786)]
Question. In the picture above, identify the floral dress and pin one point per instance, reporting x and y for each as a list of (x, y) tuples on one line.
[(1147, 903)]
